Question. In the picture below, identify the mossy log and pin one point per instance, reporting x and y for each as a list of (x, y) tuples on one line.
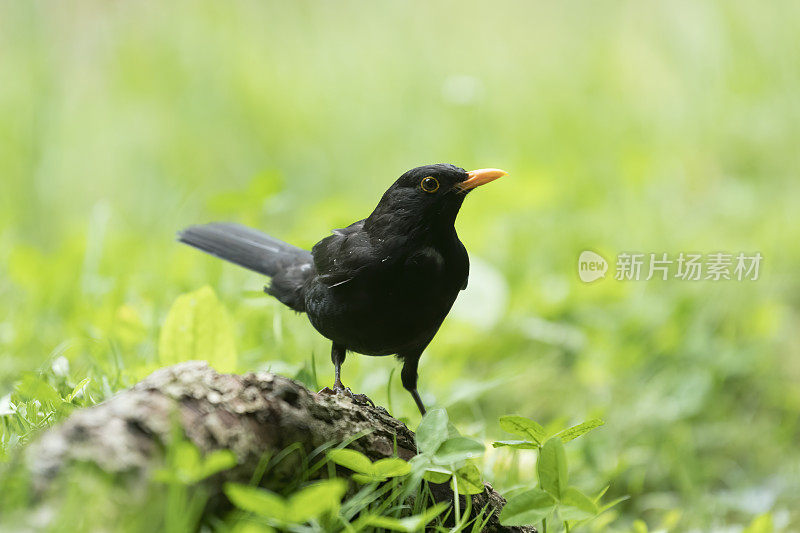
[(252, 415)]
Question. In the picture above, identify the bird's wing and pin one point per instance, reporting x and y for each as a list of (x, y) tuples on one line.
[(355, 227), (348, 253)]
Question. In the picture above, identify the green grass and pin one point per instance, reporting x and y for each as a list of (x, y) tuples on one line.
[(625, 127)]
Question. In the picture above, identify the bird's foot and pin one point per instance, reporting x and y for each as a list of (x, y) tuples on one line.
[(362, 399)]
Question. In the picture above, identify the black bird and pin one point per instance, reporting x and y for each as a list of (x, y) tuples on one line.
[(380, 286)]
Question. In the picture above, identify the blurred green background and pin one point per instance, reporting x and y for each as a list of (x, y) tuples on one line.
[(625, 126)]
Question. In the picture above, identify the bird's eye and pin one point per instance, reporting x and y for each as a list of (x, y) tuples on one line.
[(429, 184)]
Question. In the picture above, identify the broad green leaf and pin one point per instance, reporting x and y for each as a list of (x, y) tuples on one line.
[(243, 526), (516, 444), (523, 427), (78, 388), (186, 460), (432, 431), (302, 506), (551, 467), (452, 430), (581, 429), (215, 462), (198, 327), (259, 501), (639, 526), (458, 449), (437, 474), (188, 466), (576, 506), (468, 479), (166, 475), (391, 467), (316, 499), (368, 478), (527, 508), (352, 459)]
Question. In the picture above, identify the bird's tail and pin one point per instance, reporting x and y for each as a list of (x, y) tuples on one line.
[(287, 265)]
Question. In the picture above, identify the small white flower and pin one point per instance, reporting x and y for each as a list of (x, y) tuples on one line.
[(6, 407), (60, 366)]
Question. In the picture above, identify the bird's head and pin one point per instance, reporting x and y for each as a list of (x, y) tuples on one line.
[(429, 196)]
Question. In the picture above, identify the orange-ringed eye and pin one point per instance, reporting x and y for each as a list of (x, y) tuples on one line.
[(429, 184)]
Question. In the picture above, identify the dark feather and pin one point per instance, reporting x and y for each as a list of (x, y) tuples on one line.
[(289, 266)]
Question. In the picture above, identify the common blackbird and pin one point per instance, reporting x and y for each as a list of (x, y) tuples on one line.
[(380, 286)]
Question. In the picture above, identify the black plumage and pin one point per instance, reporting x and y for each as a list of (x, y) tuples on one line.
[(382, 285)]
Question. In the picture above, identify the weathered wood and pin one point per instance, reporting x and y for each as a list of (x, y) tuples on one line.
[(251, 414)]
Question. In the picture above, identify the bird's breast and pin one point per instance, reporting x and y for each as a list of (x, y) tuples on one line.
[(387, 310)]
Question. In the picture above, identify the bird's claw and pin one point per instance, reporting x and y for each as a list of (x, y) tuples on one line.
[(362, 399), (345, 391)]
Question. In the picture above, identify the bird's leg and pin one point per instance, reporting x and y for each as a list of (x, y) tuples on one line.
[(338, 353), (420, 405), (337, 356), (409, 378)]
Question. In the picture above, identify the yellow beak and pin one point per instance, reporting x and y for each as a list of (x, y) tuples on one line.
[(479, 177)]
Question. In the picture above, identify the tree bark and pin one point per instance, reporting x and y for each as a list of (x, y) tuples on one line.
[(251, 414)]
